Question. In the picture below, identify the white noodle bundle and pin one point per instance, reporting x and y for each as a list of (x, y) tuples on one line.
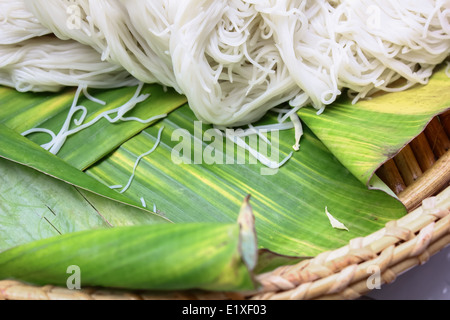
[(303, 33), (389, 40), (34, 60), (17, 23), (106, 26), (226, 62), (153, 21), (48, 64), (236, 59), (362, 45)]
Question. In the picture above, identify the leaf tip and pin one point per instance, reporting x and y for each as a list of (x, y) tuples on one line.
[(248, 240)]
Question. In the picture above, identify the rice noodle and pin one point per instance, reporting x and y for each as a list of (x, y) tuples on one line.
[(17, 24), (362, 45), (43, 64), (237, 59), (253, 78), (32, 59), (105, 26), (142, 156)]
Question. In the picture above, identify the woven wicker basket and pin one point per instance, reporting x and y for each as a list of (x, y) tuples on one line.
[(420, 171)]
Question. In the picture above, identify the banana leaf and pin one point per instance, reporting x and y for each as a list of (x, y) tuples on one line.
[(18, 149), (155, 257), (34, 206), (365, 135), (297, 225), (40, 110), (289, 204)]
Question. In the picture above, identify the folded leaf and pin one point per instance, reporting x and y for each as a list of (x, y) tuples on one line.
[(289, 205), (18, 149), (34, 206), (365, 135), (157, 257)]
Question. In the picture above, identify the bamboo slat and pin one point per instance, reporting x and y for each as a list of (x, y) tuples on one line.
[(422, 152), (437, 137), (390, 174), (445, 121), (408, 165)]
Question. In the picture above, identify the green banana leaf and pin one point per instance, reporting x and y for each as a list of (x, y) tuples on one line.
[(34, 206), (289, 206), (158, 257), (18, 149), (295, 226), (152, 257), (339, 152), (30, 110), (365, 135)]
